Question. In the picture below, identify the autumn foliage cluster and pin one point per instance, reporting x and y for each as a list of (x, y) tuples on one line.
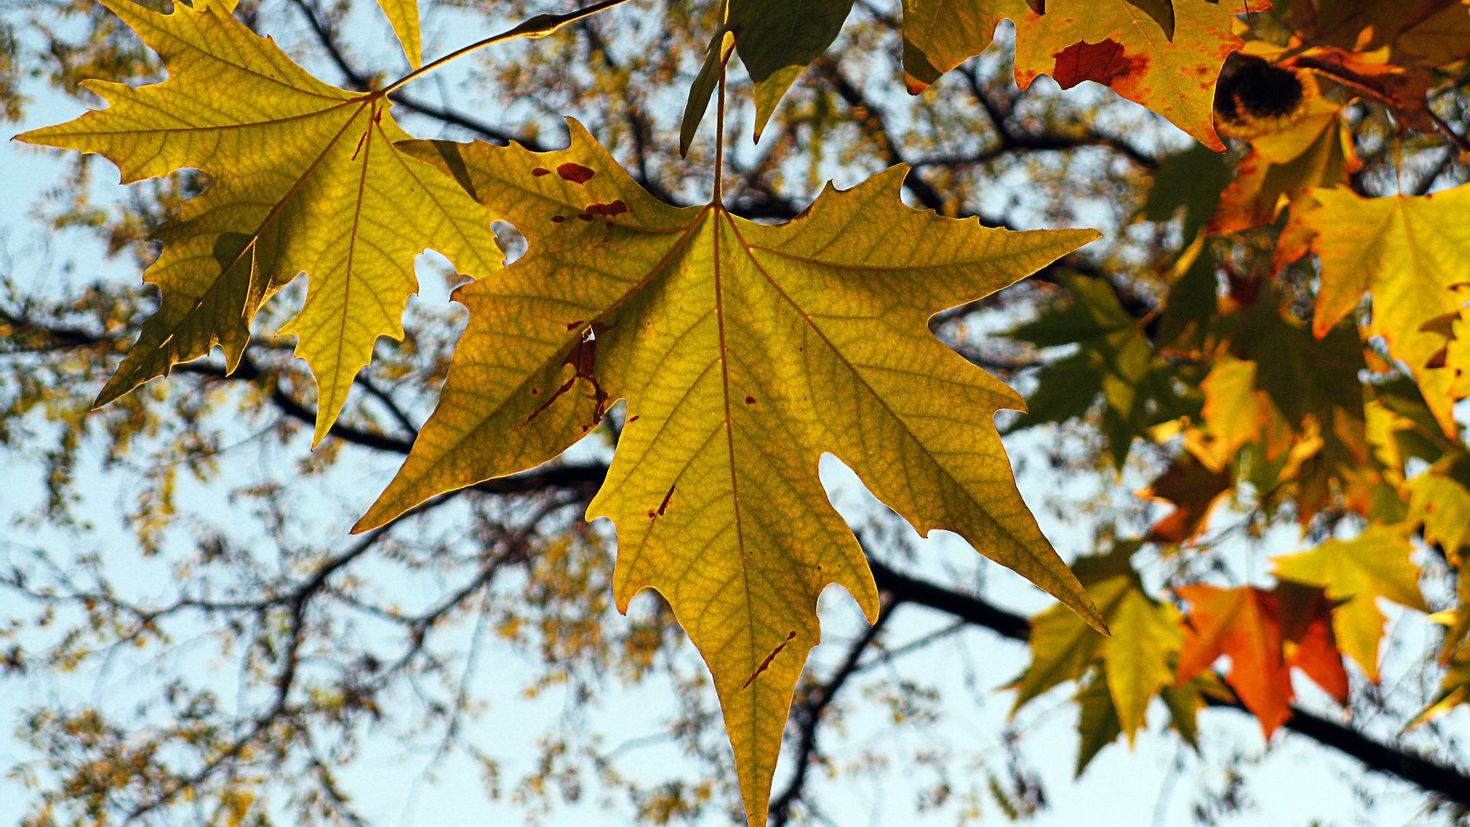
[(1296, 352)]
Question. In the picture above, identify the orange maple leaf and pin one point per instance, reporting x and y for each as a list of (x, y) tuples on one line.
[(1264, 633)]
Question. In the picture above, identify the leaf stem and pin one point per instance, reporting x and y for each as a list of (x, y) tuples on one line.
[(533, 28), (719, 194)]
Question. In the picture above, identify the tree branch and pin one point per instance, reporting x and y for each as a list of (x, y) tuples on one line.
[(808, 716), (1446, 781)]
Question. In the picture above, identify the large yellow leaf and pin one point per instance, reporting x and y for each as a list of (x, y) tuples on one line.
[(1112, 42), (1409, 252), (1355, 573), (304, 177), (745, 351)]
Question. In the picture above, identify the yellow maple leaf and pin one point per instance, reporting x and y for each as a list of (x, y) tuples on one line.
[(1409, 252), (304, 177), (744, 351), (404, 17), (1112, 42), (1355, 573), (1138, 657)]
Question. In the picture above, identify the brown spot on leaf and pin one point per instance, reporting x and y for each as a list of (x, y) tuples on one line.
[(583, 361), (1103, 62), (575, 323), (576, 173), (540, 171), (750, 400), (608, 210), (584, 216), (664, 506), (632, 419), (557, 219), (765, 664)]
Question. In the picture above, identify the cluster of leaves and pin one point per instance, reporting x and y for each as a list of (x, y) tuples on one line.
[(745, 350), (1277, 390)]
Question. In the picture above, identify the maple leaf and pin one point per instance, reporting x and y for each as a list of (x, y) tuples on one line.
[(1386, 50), (1440, 501), (1137, 657), (1098, 723), (776, 39), (1195, 489), (1097, 719), (744, 352), (1265, 633), (1190, 181), (1408, 251), (1111, 42), (1283, 407), (1354, 573), (404, 17), (1312, 151), (1432, 32), (304, 177), (1114, 360), (1408, 33)]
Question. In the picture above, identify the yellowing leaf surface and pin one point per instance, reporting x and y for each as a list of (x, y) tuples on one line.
[(1354, 573), (1137, 658), (1409, 252), (1112, 42), (304, 177), (1313, 151), (404, 16), (744, 352)]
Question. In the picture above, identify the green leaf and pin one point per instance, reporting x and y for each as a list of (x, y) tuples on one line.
[(1191, 181), (1138, 656), (1114, 359), (705, 83), (1097, 719), (1162, 11), (777, 39)]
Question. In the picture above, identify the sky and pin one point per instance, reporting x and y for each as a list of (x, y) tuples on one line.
[(1156, 783)]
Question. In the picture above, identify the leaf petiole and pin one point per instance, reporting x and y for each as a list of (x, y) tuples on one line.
[(534, 28)]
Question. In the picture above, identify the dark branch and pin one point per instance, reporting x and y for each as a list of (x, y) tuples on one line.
[(1449, 782), (807, 716)]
